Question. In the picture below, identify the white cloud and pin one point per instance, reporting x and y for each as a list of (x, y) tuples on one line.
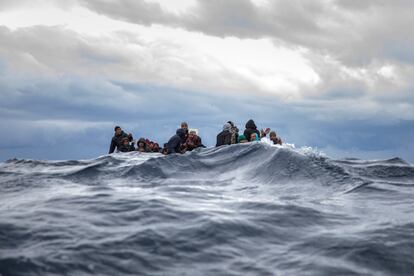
[(157, 54), (175, 6)]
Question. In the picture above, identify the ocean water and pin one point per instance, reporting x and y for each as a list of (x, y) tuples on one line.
[(250, 209)]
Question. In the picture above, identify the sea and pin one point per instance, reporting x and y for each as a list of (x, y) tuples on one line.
[(247, 209)]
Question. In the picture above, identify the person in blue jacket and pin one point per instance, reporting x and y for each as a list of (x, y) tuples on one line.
[(175, 142)]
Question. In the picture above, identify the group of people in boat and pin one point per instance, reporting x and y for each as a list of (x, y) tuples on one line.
[(186, 139)]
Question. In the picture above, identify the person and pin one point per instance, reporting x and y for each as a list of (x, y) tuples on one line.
[(276, 140), (155, 147), (142, 145), (117, 139), (242, 139), (251, 128), (224, 137), (176, 141), (184, 126), (125, 145), (165, 149), (254, 137), (264, 132), (234, 133), (192, 142)]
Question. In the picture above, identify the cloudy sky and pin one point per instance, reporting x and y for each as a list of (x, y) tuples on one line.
[(337, 75)]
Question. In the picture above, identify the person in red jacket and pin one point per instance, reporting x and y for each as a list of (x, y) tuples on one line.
[(193, 141)]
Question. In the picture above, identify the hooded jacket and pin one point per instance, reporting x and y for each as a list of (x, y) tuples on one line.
[(142, 140), (250, 129), (126, 148), (116, 141), (193, 142), (241, 138), (224, 137), (175, 142)]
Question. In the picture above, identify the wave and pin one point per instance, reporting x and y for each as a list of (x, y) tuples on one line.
[(248, 209), (255, 162)]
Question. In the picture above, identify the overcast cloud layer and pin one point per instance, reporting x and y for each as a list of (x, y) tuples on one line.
[(337, 75)]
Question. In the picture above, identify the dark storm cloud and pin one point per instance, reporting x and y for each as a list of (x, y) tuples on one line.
[(355, 32), (140, 12), (65, 118)]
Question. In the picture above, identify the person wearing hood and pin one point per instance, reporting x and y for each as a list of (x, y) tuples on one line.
[(125, 146), (242, 139), (142, 145), (193, 141), (175, 142), (234, 133), (224, 137), (250, 129), (154, 147), (116, 141)]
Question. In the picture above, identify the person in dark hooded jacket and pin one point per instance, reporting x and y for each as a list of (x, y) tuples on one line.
[(175, 142), (224, 137), (251, 128), (116, 141), (142, 145), (126, 146)]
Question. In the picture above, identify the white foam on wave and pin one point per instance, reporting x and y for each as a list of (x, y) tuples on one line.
[(304, 150)]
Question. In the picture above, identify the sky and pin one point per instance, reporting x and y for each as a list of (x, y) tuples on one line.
[(334, 75)]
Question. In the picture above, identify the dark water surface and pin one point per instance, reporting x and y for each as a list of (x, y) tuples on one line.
[(238, 210)]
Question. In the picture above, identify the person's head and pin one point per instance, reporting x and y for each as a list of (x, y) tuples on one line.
[(192, 134), (182, 133), (184, 125), (272, 135), (141, 143), (242, 139), (233, 127), (250, 124), (155, 147), (227, 127), (125, 142), (253, 137), (117, 130)]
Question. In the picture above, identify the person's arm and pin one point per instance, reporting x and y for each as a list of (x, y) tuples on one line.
[(173, 144), (219, 143), (264, 132), (227, 140), (236, 141), (112, 147), (199, 143), (246, 134)]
